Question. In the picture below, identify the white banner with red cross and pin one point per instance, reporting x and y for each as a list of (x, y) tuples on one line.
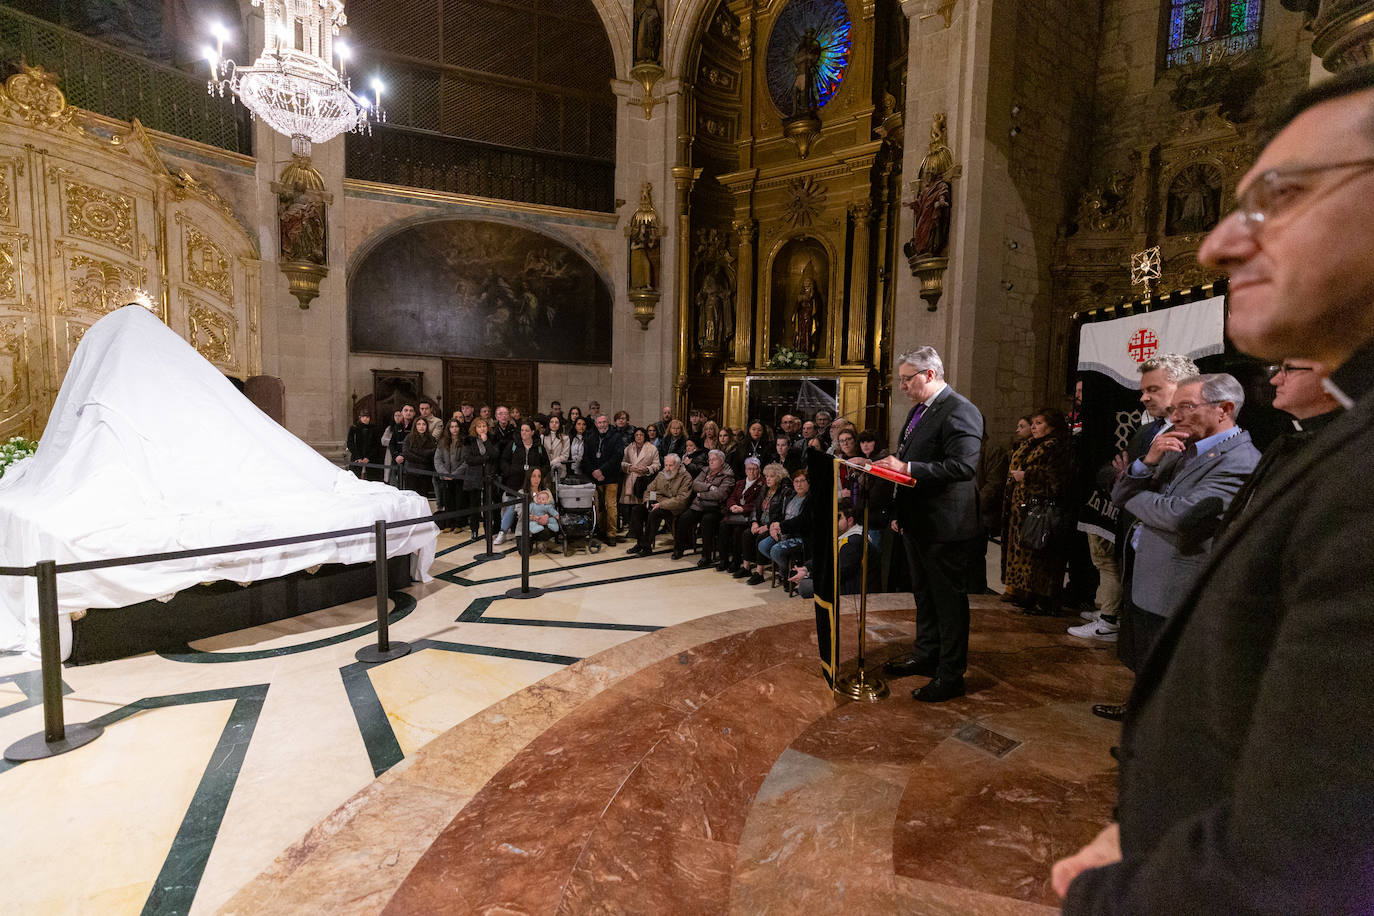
[(1116, 348)]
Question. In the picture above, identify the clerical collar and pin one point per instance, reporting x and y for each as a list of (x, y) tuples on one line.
[(1354, 378), (1317, 423)]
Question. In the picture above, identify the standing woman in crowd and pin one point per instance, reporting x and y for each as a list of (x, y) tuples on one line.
[(365, 444), (757, 445), (674, 438), (525, 451), (417, 455), (640, 463), (729, 445), (556, 447), (574, 414), (1040, 471), (448, 464), (577, 447), (479, 455), (710, 435)]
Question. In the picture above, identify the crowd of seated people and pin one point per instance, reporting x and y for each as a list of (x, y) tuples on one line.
[(742, 496)]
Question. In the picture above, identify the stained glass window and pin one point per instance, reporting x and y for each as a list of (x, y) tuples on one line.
[(823, 27), (1201, 31)]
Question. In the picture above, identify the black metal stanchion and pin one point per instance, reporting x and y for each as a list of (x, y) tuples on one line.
[(524, 591), (385, 650), (56, 738), (490, 553)]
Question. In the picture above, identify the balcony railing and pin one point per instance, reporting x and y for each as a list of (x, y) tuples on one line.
[(115, 83), (420, 159)]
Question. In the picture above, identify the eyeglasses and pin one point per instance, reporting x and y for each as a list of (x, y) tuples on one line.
[(1285, 370), (906, 379), (1189, 407), (1276, 190)]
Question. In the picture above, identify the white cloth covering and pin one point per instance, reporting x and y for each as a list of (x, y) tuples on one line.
[(150, 449)]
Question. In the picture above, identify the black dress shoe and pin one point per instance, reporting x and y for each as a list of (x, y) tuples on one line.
[(677, 555), (704, 562), (722, 566), (939, 690), (1108, 711), (909, 664), (740, 574), (755, 579), (635, 550)]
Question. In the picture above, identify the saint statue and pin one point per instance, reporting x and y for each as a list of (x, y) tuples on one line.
[(806, 314), (806, 58), (930, 214), (712, 305), (301, 219), (643, 232), (648, 31)]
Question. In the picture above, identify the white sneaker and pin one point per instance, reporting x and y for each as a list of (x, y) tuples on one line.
[(500, 536), (1090, 615), (1097, 629)]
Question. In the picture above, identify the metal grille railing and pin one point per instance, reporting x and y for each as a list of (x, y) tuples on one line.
[(103, 79), (419, 159)]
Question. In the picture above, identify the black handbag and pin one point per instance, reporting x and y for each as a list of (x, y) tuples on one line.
[(1040, 523)]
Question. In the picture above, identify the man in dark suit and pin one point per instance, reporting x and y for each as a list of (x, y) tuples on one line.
[(937, 519), (1245, 782)]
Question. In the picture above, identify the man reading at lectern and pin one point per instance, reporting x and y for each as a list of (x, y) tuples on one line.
[(937, 517)]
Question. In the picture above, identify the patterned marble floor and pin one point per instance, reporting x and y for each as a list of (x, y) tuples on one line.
[(644, 737)]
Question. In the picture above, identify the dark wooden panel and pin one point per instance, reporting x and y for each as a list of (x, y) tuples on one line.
[(516, 384), (392, 389), (465, 380)]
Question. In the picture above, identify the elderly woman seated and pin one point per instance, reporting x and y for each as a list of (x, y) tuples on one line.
[(668, 495), (738, 515)]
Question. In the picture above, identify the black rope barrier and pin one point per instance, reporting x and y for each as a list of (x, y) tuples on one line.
[(59, 738)]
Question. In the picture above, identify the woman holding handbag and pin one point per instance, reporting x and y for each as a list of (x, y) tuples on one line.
[(1035, 512)]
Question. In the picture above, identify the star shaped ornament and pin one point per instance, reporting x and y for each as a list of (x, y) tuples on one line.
[(1145, 268)]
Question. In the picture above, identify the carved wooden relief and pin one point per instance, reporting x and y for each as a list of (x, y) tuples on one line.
[(100, 215), (206, 264), (211, 332)]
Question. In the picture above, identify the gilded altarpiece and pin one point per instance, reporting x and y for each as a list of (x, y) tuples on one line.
[(791, 145), (86, 219)]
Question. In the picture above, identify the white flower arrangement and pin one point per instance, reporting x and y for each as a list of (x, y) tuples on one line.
[(788, 358), (15, 450)]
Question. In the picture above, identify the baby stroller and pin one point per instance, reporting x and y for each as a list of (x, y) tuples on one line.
[(577, 513)]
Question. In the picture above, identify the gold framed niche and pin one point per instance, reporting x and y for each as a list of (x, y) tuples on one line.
[(800, 266)]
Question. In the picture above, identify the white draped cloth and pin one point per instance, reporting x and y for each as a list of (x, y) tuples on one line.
[(150, 449)]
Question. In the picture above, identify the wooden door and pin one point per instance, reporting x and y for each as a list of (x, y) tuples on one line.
[(492, 382)]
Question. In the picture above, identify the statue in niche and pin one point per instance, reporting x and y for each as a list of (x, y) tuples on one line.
[(643, 232), (301, 218), (1194, 200), (930, 208), (648, 32), (806, 98), (715, 298), (806, 312)]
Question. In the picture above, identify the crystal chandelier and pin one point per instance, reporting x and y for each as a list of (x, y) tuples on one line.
[(293, 85)]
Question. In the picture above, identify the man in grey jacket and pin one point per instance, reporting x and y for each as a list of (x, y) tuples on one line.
[(1205, 454)]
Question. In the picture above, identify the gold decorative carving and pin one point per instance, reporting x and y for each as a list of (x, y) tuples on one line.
[(211, 333), (1107, 208), (6, 211), (74, 334), (806, 200), (97, 286), (32, 94), (206, 264), (14, 367), (9, 272), (100, 215), (184, 187)]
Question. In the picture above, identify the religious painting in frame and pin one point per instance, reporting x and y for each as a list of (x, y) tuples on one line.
[(484, 290)]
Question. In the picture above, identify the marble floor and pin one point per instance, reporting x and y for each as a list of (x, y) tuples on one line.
[(643, 737)]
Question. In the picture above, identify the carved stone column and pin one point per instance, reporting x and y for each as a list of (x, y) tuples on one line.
[(1342, 31), (747, 231), (862, 213), (684, 176)]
